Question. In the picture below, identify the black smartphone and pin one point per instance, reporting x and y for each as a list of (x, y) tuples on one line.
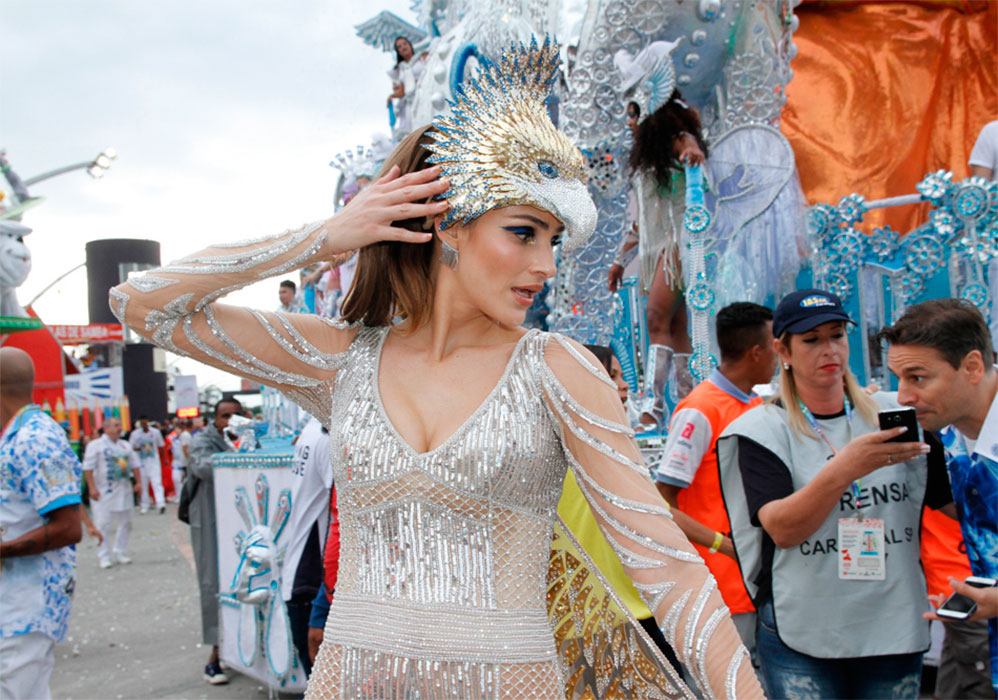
[(960, 607), (957, 607), (895, 418)]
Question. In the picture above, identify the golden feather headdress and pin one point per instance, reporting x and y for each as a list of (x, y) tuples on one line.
[(499, 147)]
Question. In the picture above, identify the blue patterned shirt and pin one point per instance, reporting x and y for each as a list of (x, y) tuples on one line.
[(39, 473), (973, 474)]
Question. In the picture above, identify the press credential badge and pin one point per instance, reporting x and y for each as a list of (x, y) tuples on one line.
[(861, 549)]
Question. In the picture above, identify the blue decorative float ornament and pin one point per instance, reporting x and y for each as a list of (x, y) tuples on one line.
[(948, 255), (700, 295)]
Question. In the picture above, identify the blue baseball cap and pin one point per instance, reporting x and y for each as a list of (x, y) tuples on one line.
[(800, 311)]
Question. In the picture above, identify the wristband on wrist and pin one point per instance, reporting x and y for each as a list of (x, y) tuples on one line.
[(624, 257), (718, 540)]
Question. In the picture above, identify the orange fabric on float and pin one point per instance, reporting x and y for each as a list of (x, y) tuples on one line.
[(884, 93)]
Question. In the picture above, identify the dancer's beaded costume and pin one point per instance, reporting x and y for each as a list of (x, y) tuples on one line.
[(448, 583)]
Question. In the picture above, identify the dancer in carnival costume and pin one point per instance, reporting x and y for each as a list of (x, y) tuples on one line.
[(667, 137), (405, 74), (454, 425)]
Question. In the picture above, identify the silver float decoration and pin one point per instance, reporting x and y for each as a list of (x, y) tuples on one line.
[(732, 64)]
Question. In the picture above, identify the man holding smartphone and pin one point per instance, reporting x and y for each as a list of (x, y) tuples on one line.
[(941, 353)]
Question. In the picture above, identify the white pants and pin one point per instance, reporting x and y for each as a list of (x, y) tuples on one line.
[(179, 472), (26, 662), (152, 473), (104, 517)]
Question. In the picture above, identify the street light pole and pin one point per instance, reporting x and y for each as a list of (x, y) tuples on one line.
[(57, 171), (56, 281), (95, 167)]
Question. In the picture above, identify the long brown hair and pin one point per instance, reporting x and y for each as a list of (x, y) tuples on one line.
[(654, 139), (395, 278)]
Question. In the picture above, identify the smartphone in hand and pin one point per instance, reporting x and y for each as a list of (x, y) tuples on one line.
[(958, 606), (895, 418)]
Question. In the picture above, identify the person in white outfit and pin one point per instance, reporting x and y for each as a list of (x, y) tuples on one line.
[(180, 446), (311, 480), (146, 442), (105, 466), (983, 159)]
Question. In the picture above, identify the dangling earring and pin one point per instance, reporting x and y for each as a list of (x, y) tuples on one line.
[(786, 366), (448, 255)]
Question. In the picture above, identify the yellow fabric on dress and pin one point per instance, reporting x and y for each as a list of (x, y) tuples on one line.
[(604, 651), (575, 513), (886, 92)]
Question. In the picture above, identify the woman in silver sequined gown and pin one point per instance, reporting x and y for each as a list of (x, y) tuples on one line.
[(451, 432)]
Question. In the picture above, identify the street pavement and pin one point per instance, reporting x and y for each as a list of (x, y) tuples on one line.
[(135, 630)]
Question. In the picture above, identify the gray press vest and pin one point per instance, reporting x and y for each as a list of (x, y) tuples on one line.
[(816, 613)]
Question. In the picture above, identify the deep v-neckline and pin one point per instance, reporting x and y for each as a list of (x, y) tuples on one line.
[(383, 413)]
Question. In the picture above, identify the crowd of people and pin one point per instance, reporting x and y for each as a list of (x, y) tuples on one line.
[(776, 547)]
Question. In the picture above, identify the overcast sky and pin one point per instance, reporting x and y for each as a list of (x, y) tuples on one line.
[(225, 115)]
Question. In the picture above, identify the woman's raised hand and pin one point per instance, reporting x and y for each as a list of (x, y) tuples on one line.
[(368, 217), (869, 452), (688, 150)]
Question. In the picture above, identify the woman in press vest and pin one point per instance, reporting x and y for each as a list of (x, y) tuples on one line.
[(825, 517)]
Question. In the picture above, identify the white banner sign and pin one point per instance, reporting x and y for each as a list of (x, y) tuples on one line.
[(185, 391), (103, 383)]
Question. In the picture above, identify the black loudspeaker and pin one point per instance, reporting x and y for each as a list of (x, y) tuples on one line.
[(108, 263), (145, 388)]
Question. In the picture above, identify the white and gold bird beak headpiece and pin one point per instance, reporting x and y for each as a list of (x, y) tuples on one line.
[(499, 147), (649, 78)]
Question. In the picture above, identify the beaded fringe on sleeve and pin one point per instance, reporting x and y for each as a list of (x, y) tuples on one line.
[(175, 307), (601, 643)]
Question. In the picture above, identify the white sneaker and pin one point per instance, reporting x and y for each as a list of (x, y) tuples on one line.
[(143, 510), (123, 558), (105, 563), (213, 674)]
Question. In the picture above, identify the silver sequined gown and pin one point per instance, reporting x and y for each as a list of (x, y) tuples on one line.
[(444, 554)]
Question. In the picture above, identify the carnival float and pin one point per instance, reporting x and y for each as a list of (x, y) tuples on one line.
[(837, 159)]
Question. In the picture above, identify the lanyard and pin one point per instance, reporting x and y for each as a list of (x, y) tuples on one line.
[(813, 422)]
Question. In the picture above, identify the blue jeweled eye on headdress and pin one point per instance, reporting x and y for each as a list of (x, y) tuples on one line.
[(547, 169)]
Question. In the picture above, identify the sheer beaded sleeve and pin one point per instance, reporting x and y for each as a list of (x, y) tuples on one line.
[(175, 307), (669, 574)]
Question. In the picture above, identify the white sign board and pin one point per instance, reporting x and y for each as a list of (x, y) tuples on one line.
[(103, 383), (185, 391)]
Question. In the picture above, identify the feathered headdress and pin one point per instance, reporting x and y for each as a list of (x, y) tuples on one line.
[(649, 78), (499, 147)]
